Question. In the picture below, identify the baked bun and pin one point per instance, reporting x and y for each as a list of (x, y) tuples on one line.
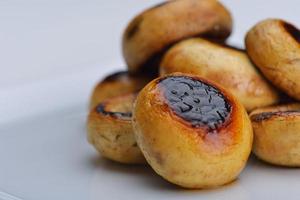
[(192, 132), (277, 134), (227, 66), (273, 45), (110, 130), (117, 84), (150, 33)]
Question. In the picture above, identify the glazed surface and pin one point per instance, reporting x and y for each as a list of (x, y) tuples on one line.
[(196, 102)]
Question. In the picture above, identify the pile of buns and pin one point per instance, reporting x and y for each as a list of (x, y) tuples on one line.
[(193, 107)]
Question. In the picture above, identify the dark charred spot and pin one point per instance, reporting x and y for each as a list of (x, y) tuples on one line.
[(116, 76), (262, 116), (133, 27), (268, 115), (197, 102), (295, 33), (124, 115)]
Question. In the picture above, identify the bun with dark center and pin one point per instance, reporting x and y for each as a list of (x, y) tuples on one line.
[(117, 84), (192, 132), (224, 65), (277, 134), (153, 31), (273, 45), (110, 130)]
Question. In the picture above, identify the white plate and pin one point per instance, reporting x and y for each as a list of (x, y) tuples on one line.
[(47, 157), (49, 64)]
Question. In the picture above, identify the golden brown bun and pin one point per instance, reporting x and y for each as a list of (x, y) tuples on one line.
[(150, 33), (277, 134), (228, 67), (273, 45), (194, 146), (117, 84), (110, 130)]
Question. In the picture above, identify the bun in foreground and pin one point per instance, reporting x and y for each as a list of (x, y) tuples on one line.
[(192, 132)]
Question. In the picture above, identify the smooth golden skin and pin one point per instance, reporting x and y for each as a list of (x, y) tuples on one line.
[(277, 134), (228, 67), (117, 84), (186, 156), (113, 135), (273, 46), (155, 29)]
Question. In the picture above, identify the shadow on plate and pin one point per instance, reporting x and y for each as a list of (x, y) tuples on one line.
[(138, 170), (255, 162), (148, 177)]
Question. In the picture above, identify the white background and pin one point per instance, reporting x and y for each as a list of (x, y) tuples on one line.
[(52, 52), (79, 41), (45, 38)]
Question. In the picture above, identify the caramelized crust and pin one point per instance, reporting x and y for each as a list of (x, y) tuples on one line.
[(277, 134), (110, 130), (116, 84)]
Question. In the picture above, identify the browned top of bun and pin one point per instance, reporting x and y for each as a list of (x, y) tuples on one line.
[(218, 125), (196, 102)]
